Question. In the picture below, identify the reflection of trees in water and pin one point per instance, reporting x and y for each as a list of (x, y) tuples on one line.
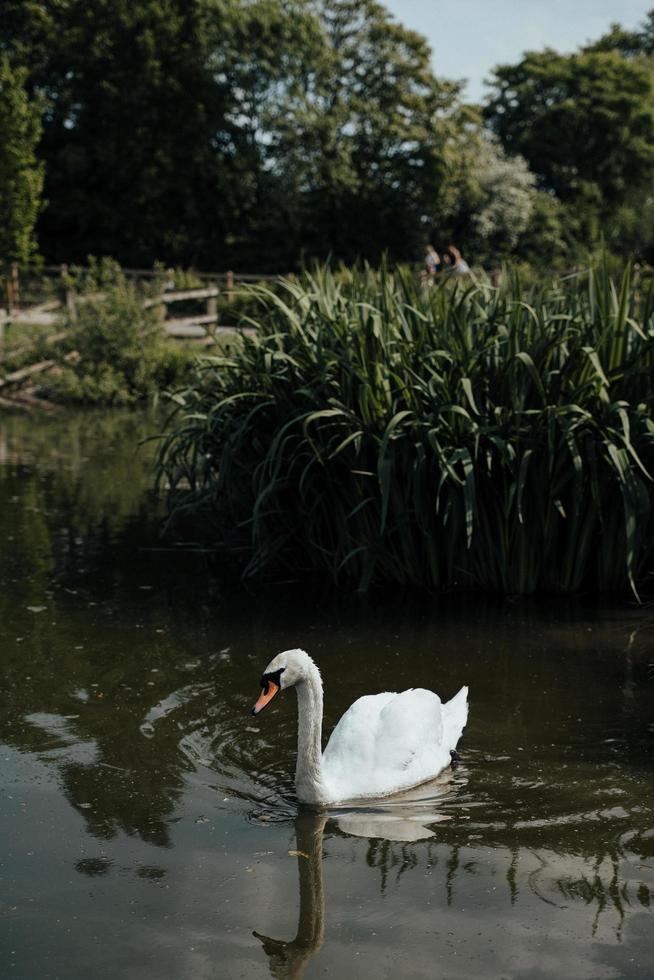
[(115, 783), (138, 802), (59, 448), (79, 710), (76, 502), (63, 515), (67, 522), (124, 719)]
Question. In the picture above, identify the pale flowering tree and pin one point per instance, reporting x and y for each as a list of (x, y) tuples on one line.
[(506, 198), (488, 199)]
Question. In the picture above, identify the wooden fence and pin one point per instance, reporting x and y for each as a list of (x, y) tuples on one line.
[(58, 294)]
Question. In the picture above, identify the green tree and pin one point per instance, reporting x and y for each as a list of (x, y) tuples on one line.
[(21, 174), (132, 109), (240, 133), (630, 44), (364, 151), (550, 239), (148, 126), (584, 123)]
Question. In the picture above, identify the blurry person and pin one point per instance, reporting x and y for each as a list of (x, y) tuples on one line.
[(455, 262), (432, 262)]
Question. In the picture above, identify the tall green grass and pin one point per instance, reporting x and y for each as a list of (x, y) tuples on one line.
[(465, 436)]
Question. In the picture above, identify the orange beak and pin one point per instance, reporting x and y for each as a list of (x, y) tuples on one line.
[(265, 697)]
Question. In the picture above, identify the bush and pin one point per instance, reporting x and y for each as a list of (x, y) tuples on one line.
[(123, 355), (467, 435)]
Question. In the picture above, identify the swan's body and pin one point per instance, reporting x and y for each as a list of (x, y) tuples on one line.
[(383, 744)]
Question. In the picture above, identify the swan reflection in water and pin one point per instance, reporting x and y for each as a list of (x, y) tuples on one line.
[(406, 820)]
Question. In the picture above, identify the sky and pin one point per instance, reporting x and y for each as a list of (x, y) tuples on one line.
[(469, 37)]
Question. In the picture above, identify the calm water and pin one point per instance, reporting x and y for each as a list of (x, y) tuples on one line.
[(148, 827)]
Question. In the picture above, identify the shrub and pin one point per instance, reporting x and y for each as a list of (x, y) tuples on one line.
[(124, 356), (467, 435)]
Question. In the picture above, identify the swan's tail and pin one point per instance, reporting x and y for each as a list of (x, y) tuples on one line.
[(455, 716)]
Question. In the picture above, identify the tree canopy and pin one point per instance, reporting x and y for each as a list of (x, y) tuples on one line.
[(217, 131), (260, 134), (583, 122)]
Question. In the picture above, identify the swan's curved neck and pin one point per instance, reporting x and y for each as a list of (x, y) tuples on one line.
[(308, 771)]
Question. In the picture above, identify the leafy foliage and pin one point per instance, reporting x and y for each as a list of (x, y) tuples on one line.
[(584, 122), (262, 134), (231, 134), (364, 152), (630, 44), (478, 436), (21, 175), (121, 354)]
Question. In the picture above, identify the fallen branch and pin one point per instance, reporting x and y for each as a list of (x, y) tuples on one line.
[(27, 372), (17, 377)]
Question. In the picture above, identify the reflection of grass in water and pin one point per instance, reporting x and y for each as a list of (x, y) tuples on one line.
[(600, 884), (606, 894), (389, 856), (289, 959), (609, 893)]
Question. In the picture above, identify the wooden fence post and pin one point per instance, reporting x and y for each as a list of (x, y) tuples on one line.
[(230, 287), (69, 294), (14, 292), (212, 301), (9, 293)]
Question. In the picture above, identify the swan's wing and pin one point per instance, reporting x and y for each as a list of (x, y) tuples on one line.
[(387, 742), (351, 745), (409, 725)]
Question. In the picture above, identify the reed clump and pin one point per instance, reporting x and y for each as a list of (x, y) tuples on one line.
[(470, 435)]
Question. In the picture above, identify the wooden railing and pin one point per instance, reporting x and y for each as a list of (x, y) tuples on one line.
[(21, 308)]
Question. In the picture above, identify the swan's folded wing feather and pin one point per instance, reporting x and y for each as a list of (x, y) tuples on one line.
[(388, 742), (409, 725), (351, 745), (385, 742)]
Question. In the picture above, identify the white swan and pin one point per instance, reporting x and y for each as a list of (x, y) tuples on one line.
[(383, 744)]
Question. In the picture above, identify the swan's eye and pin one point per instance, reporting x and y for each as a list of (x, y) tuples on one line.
[(273, 676)]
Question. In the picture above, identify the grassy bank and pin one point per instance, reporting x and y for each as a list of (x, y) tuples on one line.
[(466, 436)]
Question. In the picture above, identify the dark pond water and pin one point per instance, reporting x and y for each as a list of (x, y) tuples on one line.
[(148, 827)]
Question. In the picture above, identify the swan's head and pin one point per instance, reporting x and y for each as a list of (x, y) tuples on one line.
[(285, 670)]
